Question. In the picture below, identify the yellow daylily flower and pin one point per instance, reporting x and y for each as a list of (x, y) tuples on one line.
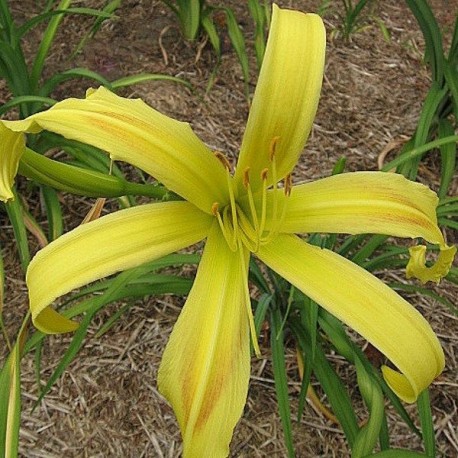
[(206, 365)]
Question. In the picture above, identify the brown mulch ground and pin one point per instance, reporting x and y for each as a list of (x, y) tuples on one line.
[(107, 403)]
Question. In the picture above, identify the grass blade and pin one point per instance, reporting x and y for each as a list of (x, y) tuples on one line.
[(418, 151), (10, 402), (434, 53), (427, 425), (373, 397), (15, 215), (53, 212), (281, 384), (25, 99), (119, 282), (238, 42), (45, 45), (337, 395), (49, 85), (448, 157), (144, 77)]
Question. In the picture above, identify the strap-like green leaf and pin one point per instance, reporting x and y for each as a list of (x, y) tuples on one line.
[(281, 383), (434, 53), (15, 215)]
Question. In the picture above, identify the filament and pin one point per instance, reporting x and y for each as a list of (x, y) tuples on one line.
[(254, 337)]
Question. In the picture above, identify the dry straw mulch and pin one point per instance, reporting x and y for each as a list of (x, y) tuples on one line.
[(107, 403)]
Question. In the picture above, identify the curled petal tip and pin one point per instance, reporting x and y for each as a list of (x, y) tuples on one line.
[(51, 322), (417, 264)]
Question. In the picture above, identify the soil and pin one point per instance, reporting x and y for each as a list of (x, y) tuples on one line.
[(106, 404)]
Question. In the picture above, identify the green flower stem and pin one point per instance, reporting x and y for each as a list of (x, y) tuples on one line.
[(76, 180)]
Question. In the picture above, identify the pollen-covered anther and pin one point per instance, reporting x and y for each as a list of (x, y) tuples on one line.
[(223, 159), (215, 208), (264, 173), (273, 147), (246, 177), (288, 185)]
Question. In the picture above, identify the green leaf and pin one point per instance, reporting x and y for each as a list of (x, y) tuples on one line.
[(431, 106), (143, 77), (53, 212), (427, 425), (418, 151), (260, 313), (337, 395), (50, 84), (120, 281), (238, 42), (281, 383), (258, 13), (448, 157), (26, 100), (398, 453), (34, 21), (10, 404), (210, 29), (15, 215), (434, 53), (189, 16), (373, 397), (109, 10), (45, 45)]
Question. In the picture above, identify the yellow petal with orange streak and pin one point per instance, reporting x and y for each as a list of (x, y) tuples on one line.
[(131, 131), (205, 368), (367, 305), (116, 242), (286, 96), (371, 202)]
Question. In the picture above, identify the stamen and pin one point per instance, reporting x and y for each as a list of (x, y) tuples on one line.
[(273, 147), (288, 185), (248, 234), (254, 337), (223, 159), (275, 196), (233, 207), (215, 208), (225, 230), (253, 212), (275, 185), (263, 201), (277, 223), (246, 177)]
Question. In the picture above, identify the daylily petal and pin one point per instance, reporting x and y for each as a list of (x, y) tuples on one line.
[(417, 263), (367, 305), (12, 145), (286, 96), (206, 365), (110, 244), (131, 131), (370, 202), (363, 202)]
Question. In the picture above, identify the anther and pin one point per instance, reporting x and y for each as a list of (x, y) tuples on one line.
[(246, 177), (264, 173), (288, 185), (223, 159), (273, 147), (215, 208)]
